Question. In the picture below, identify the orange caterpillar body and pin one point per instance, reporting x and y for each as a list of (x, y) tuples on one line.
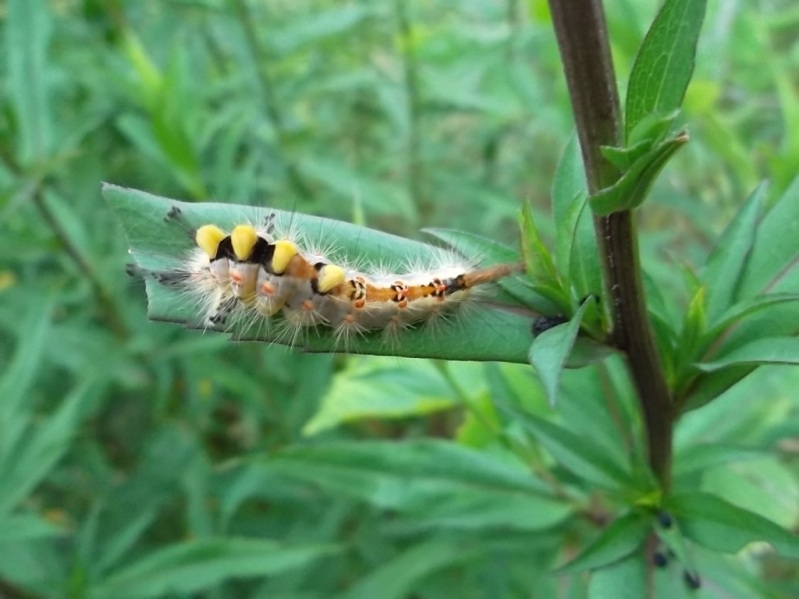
[(248, 274)]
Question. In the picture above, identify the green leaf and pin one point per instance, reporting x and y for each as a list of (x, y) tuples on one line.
[(159, 245), (766, 486), (255, 480), (664, 63), (689, 343), (15, 528), (617, 541), (736, 313), (774, 252), (550, 350), (195, 565), (625, 579), (481, 424), (395, 578), (650, 131), (694, 324), (540, 267), (631, 189), (624, 158), (771, 350), (405, 475), (317, 26), (694, 459), (116, 547), (480, 511), (485, 251), (674, 540), (587, 351), (40, 449), (124, 514), (648, 134), (666, 338), (434, 484), (721, 526), (28, 26), (150, 81), (378, 388), (576, 250), (20, 374), (568, 188), (725, 265), (785, 162), (593, 462), (711, 385)]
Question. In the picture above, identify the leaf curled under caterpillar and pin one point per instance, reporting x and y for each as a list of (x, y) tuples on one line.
[(451, 310)]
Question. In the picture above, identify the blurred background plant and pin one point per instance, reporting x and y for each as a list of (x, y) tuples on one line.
[(138, 459)]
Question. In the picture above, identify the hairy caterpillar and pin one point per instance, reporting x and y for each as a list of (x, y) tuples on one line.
[(426, 311), (250, 273)]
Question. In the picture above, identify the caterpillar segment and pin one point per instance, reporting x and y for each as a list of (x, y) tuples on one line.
[(213, 273), (249, 273), (272, 275)]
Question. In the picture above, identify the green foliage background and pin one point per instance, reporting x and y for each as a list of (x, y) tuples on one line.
[(139, 459)]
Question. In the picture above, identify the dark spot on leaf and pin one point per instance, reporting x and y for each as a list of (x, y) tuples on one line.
[(660, 559), (692, 580), (665, 520), (544, 323)]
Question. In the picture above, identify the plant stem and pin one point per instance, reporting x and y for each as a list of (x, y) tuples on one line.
[(261, 59), (414, 108), (105, 299), (582, 37)]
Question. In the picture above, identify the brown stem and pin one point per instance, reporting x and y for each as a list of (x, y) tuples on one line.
[(582, 37)]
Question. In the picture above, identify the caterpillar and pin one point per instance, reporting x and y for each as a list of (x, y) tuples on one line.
[(252, 276)]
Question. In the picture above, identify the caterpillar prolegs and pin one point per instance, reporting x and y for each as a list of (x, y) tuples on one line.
[(249, 274)]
